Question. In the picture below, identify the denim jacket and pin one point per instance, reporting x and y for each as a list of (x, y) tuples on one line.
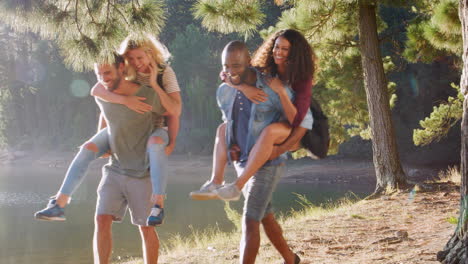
[(261, 115)]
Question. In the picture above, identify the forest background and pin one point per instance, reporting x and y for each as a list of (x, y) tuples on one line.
[(45, 105), (48, 48)]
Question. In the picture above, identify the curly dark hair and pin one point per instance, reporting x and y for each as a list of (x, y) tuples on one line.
[(301, 59)]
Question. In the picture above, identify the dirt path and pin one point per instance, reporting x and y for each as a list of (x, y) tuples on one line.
[(402, 228), (399, 229)]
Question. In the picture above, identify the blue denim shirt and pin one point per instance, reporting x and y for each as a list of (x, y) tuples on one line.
[(261, 115)]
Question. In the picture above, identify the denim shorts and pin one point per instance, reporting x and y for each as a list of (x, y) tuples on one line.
[(117, 192), (258, 191)]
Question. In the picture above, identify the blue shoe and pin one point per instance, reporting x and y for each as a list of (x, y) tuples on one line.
[(52, 212), (156, 216)]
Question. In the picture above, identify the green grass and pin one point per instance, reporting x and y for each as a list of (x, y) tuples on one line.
[(212, 245), (358, 216), (452, 174), (452, 220)]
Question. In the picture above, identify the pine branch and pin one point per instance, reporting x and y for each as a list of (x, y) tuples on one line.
[(227, 16), (66, 7), (443, 117), (121, 14), (90, 12), (76, 19), (343, 44), (322, 21), (108, 11)]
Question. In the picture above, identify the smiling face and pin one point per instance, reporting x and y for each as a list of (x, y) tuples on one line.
[(139, 59), (235, 65), (109, 75), (281, 51)]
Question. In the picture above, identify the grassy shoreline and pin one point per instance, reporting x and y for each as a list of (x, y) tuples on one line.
[(404, 227), (217, 246)]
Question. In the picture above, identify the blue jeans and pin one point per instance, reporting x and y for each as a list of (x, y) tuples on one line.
[(79, 166), (158, 162)]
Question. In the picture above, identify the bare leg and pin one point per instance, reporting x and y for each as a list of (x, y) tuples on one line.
[(220, 157), (272, 135), (102, 242), (250, 241), (62, 199), (158, 199), (275, 234), (150, 245)]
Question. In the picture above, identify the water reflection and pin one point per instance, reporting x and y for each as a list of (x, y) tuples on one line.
[(18, 198), (25, 240)]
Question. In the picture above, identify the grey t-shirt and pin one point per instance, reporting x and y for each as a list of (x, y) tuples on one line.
[(128, 134)]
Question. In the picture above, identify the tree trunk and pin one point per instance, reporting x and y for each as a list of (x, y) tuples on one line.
[(456, 249), (387, 165)]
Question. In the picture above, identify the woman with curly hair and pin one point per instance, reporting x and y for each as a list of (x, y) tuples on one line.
[(288, 62)]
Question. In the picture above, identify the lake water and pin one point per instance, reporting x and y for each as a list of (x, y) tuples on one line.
[(25, 190)]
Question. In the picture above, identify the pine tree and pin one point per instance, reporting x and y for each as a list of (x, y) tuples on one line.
[(456, 249), (85, 30), (434, 33), (388, 169)]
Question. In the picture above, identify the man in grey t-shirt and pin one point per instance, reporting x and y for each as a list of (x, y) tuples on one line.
[(125, 181)]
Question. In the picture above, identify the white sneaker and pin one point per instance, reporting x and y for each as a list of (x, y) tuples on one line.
[(229, 192), (206, 191)]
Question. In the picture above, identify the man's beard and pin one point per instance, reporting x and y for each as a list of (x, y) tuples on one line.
[(116, 84)]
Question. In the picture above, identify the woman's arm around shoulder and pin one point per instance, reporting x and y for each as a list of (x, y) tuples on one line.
[(135, 103), (170, 95)]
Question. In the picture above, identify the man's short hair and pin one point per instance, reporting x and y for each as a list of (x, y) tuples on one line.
[(115, 59), (236, 45), (118, 59)]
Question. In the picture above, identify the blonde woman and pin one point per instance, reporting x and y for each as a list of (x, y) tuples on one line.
[(146, 65)]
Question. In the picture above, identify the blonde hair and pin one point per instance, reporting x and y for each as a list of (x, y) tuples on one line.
[(150, 45)]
